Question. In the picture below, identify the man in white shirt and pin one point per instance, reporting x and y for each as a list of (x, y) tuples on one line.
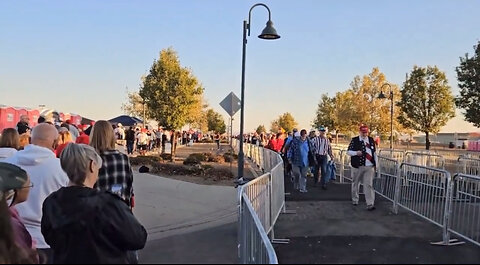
[(46, 175), (363, 159)]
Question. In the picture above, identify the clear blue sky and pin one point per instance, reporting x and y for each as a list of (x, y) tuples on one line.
[(79, 56)]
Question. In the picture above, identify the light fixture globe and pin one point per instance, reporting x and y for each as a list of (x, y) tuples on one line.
[(269, 33), (382, 96)]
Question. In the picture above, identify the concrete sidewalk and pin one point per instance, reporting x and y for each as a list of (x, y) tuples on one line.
[(181, 217), (327, 228)]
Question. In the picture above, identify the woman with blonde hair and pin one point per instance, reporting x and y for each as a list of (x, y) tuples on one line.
[(9, 143), (115, 175), (64, 138)]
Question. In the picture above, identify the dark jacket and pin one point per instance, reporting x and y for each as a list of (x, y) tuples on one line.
[(357, 145), (83, 225)]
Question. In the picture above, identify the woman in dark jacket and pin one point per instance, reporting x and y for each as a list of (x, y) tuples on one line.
[(84, 225)]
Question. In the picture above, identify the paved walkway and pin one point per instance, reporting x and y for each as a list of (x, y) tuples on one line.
[(186, 222), (327, 228)]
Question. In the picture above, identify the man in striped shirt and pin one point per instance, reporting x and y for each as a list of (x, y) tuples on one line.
[(322, 148)]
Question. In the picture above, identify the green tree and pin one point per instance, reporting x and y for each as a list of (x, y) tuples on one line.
[(468, 75), (427, 102), (171, 92), (285, 122), (261, 129), (216, 122), (325, 115)]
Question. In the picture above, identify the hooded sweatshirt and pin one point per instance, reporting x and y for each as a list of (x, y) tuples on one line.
[(6, 152), (47, 176), (86, 226)]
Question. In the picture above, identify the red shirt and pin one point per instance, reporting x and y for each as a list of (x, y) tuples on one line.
[(83, 139), (59, 149), (279, 144)]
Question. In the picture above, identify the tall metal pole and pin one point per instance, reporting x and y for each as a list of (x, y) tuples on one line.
[(231, 132), (391, 119), (241, 158), (144, 120)]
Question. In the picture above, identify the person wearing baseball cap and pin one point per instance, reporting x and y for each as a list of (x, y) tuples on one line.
[(322, 148), (363, 160), (14, 189)]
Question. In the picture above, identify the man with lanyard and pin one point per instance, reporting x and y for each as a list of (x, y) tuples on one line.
[(322, 147), (362, 152)]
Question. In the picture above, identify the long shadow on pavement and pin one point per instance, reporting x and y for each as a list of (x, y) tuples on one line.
[(215, 245), (327, 228)]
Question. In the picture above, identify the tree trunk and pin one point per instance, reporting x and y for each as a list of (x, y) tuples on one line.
[(173, 145), (336, 137), (427, 141)]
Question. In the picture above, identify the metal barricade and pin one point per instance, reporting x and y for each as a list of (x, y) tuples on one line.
[(425, 159), (468, 165), (385, 183), (254, 246), (425, 191), (396, 154), (465, 208), (278, 194), (266, 195), (258, 192)]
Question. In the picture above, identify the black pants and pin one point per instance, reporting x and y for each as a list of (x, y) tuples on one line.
[(45, 255)]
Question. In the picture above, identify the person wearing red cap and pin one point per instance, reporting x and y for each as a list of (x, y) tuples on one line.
[(363, 160)]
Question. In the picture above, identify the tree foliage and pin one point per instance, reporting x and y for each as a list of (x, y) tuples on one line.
[(215, 122), (261, 129), (360, 104), (134, 105), (285, 122), (171, 92), (468, 75), (426, 102), (325, 115)]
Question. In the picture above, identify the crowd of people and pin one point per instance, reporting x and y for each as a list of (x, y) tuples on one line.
[(309, 154), (138, 140), (66, 196)]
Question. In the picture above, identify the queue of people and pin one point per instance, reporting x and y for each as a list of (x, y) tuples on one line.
[(308, 154), (63, 201)]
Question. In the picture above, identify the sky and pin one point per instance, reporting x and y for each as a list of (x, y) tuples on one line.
[(82, 56)]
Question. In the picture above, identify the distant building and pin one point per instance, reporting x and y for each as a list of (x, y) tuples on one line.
[(446, 138)]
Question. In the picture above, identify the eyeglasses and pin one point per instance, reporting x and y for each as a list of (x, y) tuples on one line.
[(27, 187)]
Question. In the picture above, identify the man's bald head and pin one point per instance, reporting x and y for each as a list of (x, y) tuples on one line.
[(44, 135), (24, 118)]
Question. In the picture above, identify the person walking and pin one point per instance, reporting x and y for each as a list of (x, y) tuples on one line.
[(23, 125), (298, 158), (84, 225), (47, 176), (322, 149), (363, 160), (130, 137)]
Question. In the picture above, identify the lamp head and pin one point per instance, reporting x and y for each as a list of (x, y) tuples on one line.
[(382, 96), (269, 33)]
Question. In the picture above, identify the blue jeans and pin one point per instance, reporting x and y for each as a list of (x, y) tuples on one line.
[(130, 147), (321, 166), (300, 174)]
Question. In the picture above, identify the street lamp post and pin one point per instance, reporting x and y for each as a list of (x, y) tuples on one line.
[(382, 96), (269, 33)]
